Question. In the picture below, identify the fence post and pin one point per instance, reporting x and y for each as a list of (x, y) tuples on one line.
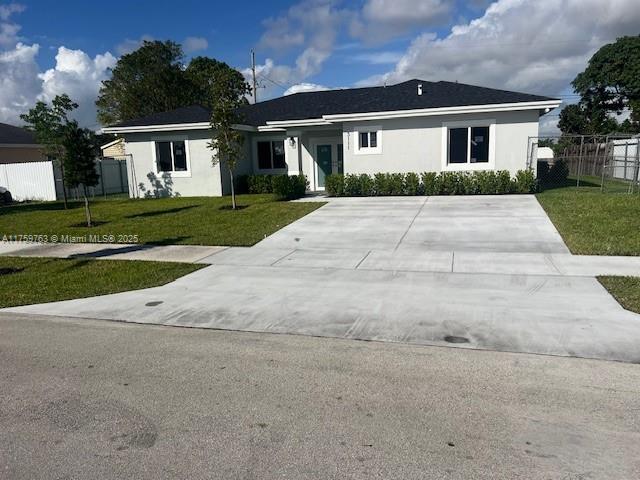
[(580, 160), (104, 194)]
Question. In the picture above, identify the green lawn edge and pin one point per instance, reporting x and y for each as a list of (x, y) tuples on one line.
[(31, 280), (626, 290), (162, 221)]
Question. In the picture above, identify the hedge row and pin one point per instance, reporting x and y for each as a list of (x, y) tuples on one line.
[(431, 183), (284, 187)]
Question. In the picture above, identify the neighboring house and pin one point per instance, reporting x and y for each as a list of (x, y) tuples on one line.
[(18, 145), (113, 149), (414, 126)]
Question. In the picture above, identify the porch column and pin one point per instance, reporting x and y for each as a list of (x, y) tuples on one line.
[(293, 152)]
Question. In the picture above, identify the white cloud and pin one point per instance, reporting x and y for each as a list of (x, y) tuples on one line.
[(79, 76), (520, 45), (381, 20), (9, 30), (305, 87), (129, 45), (194, 44), (378, 58), (19, 83)]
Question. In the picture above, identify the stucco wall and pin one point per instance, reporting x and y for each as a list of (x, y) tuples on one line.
[(20, 155), (202, 179), (416, 144)]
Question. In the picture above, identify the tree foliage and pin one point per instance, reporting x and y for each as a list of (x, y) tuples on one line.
[(79, 161), (226, 142), (609, 85), (154, 79)]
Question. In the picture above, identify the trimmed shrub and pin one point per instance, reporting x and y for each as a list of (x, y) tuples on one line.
[(487, 182), (430, 183), (381, 185), (503, 182), (352, 187), (451, 183), (366, 185), (524, 182), (334, 185), (412, 184), (469, 183), (260, 183), (289, 187), (395, 183)]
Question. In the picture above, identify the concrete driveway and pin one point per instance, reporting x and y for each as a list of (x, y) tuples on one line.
[(479, 272)]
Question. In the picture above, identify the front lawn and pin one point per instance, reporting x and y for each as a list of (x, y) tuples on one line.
[(166, 221), (24, 281), (595, 223), (625, 289)]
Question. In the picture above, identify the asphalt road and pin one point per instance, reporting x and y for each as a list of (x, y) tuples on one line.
[(94, 399)]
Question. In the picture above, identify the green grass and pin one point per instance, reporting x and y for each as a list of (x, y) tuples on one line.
[(592, 222), (625, 289), (166, 221), (24, 281)]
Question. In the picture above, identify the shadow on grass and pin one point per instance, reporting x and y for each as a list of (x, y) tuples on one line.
[(229, 207), (38, 207), (155, 213), (568, 183), (94, 223), (108, 252), (10, 270)]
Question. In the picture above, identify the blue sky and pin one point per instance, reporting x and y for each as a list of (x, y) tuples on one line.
[(536, 46)]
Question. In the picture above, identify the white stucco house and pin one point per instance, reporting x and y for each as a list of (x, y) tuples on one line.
[(414, 126)]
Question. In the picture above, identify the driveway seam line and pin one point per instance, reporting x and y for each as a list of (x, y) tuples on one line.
[(363, 259), (453, 256), (411, 224), (284, 256)]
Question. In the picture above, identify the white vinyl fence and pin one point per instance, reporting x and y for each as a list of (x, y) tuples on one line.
[(28, 181)]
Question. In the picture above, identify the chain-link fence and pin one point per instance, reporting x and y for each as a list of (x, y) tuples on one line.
[(113, 179), (608, 162)]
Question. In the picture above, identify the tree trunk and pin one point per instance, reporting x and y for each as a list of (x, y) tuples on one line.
[(87, 210), (233, 191), (64, 185)]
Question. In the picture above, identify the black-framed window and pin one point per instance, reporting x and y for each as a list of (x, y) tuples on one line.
[(271, 155), (368, 139), (468, 145), (171, 156)]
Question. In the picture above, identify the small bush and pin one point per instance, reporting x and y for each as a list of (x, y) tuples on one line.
[(395, 183), (430, 183), (412, 184), (289, 187), (503, 182), (260, 183), (469, 183), (451, 183), (525, 182), (487, 182), (352, 187), (334, 185), (381, 184), (366, 185)]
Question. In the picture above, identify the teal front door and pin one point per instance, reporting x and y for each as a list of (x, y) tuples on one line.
[(323, 159)]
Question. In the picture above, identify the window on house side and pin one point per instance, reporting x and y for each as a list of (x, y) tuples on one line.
[(469, 145), (171, 156), (271, 155), (368, 140)]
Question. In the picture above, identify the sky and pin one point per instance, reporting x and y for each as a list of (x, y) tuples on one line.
[(535, 46)]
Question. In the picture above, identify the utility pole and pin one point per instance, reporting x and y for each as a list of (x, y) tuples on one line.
[(253, 74)]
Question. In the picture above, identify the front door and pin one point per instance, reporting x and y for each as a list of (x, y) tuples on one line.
[(323, 159)]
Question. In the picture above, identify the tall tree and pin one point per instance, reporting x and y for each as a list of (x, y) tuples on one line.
[(48, 122), (146, 81), (80, 161), (609, 85), (202, 74), (226, 142), (154, 79)]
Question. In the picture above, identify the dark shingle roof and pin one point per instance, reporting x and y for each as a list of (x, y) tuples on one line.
[(16, 135), (308, 105)]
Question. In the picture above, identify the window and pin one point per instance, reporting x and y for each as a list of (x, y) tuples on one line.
[(171, 156), (368, 140), (469, 145), (271, 155)]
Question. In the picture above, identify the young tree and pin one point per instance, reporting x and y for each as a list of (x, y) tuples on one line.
[(79, 161), (48, 124), (226, 142)]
